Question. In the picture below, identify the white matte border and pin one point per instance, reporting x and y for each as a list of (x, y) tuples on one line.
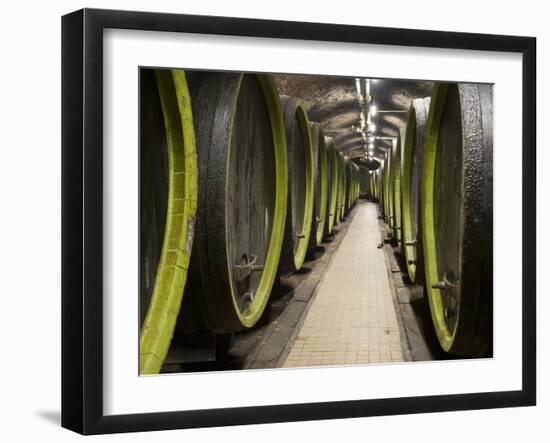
[(125, 392)]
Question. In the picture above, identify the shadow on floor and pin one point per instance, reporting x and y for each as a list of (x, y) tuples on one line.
[(53, 417)]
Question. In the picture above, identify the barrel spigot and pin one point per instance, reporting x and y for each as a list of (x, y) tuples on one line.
[(444, 284), (240, 272)]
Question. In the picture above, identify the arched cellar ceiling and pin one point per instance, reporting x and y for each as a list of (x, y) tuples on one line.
[(334, 102)]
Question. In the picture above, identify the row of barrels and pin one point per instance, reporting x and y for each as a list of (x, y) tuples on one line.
[(434, 190), (370, 183), (235, 185)]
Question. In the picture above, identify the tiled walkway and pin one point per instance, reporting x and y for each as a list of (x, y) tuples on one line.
[(352, 318)]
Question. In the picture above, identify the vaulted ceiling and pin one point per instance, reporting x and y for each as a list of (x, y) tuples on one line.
[(335, 103)]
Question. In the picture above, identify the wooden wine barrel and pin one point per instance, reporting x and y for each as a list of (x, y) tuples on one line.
[(379, 187), (356, 177), (354, 191), (348, 196), (338, 218), (319, 219), (344, 188), (385, 187), (396, 175), (338, 189), (377, 184), (357, 186), (168, 203), (243, 185), (382, 189), (388, 189), (365, 182), (300, 185), (457, 216), (411, 176), (391, 186), (371, 185), (354, 183), (332, 185), (341, 187), (341, 183)]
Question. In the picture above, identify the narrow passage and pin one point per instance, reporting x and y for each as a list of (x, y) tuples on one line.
[(352, 319)]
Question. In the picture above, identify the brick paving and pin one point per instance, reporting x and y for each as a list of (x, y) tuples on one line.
[(352, 318)]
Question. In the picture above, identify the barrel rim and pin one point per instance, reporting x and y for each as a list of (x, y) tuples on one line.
[(159, 323), (397, 210), (431, 139), (332, 207), (416, 119), (390, 185), (348, 168), (387, 188), (305, 130), (317, 236), (341, 187), (255, 309)]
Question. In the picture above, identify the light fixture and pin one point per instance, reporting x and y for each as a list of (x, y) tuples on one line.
[(373, 109), (372, 127)]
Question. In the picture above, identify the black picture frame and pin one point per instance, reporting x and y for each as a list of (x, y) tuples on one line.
[(82, 220)]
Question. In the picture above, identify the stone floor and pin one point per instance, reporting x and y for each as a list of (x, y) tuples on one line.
[(352, 318)]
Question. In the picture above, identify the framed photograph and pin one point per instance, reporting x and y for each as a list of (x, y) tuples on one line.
[(268, 221)]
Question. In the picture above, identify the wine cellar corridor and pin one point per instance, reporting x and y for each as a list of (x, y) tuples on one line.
[(352, 320), (291, 221)]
